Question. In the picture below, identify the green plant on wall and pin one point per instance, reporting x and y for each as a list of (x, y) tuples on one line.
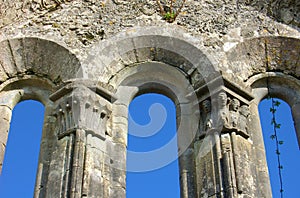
[(52, 4), (276, 126), (274, 136), (167, 10)]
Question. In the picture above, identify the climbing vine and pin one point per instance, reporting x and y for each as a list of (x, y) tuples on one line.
[(275, 124), (167, 10), (274, 136)]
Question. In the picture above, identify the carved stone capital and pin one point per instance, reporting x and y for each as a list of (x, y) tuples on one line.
[(82, 108), (226, 110)]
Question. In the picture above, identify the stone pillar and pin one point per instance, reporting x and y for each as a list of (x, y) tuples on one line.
[(261, 182), (118, 149), (80, 164), (187, 114), (296, 117), (117, 144), (46, 149), (208, 167), (5, 118), (8, 100), (228, 161), (208, 153), (187, 174)]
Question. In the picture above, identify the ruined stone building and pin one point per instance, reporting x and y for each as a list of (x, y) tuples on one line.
[(85, 60)]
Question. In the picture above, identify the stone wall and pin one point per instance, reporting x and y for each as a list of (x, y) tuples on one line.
[(79, 24), (86, 60)]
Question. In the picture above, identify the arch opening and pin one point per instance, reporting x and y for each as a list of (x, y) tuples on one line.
[(282, 86), (289, 153), (154, 77), (22, 151), (151, 125)]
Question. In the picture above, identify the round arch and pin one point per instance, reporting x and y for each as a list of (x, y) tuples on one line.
[(167, 45), (153, 77), (160, 78), (259, 62), (33, 68), (37, 56), (282, 86), (159, 60)]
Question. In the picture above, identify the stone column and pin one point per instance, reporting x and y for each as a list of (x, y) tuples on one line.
[(260, 182), (224, 148), (296, 117), (187, 114), (46, 149), (117, 144), (208, 166), (208, 153), (8, 100), (187, 174), (80, 157)]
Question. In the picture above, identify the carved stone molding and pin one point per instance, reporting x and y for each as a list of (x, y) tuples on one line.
[(82, 108), (82, 125), (224, 130), (225, 109)]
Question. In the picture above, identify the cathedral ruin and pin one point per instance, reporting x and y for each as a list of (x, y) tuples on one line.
[(86, 60)]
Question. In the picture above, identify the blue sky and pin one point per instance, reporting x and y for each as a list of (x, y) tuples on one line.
[(18, 174), (290, 154)]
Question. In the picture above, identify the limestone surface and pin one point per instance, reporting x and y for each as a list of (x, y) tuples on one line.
[(85, 60)]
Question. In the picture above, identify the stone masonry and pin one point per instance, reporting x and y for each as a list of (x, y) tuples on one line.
[(85, 60)]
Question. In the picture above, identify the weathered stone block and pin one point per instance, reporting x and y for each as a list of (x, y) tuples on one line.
[(239, 40), (9, 99)]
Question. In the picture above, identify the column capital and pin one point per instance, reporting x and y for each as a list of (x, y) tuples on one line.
[(82, 106), (224, 108)]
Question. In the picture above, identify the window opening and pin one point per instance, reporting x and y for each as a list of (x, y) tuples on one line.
[(155, 116), (22, 150), (289, 152)]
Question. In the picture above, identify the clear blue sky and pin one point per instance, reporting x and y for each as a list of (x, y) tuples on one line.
[(18, 175), (290, 153)]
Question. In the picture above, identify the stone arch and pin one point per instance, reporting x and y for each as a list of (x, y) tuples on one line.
[(255, 62), (16, 90), (269, 59), (33, 68), (36, 56), (30, 87), (171, 46), (160, 78), (280, 85), (160, 60), (283, 86), (257, 55)]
